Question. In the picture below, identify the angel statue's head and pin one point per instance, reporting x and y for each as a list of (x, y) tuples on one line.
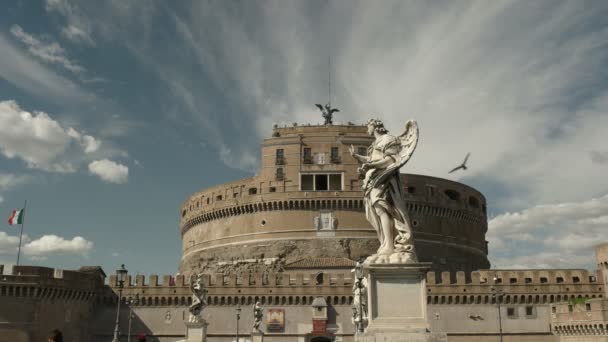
[(375, 125)]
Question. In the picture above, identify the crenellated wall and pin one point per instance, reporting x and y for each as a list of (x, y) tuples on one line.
[(35, 300)]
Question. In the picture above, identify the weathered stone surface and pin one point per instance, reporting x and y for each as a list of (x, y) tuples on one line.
[(403, 337)]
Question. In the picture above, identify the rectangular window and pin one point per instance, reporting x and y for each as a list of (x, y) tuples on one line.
[(335, 155), (272, 189), (528, 280), (280, 175), (553, 309), (321, 182), (570, 309), (588, 306), (513, 280), (559, 280), (511, 312), (306, 182), (253, 191), (576, 279), (218, 197), (335, 182), (280, 154), (543, 280), (307, 156), (529, 310)]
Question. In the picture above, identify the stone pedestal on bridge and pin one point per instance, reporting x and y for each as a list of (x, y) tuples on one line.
[(196, 331), (257, 336), (397, 304)]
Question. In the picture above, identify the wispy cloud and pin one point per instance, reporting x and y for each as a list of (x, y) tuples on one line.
[(23, 71), (520, 85), (48, 51), (77, 27)]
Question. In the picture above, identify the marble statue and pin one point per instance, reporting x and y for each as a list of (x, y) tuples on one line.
[(383, 197), (257, 317), (199, 298)]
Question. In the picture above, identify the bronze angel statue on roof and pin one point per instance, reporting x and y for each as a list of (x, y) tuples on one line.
[(327, 113), (384, 204)]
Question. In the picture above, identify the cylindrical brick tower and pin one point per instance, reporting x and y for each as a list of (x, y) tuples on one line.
[(306, 202)]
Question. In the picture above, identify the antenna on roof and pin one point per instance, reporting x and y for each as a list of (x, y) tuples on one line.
[(327, 111), (329, 83)]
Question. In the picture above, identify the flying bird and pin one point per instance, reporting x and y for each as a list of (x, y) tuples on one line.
[(463, 165)]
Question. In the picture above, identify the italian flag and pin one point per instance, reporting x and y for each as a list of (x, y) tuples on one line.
[(16, 217)]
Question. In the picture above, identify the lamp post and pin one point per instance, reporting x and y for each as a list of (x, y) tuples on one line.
[(121, 275), (359, 276), (498, 294), (238, 317), (133, 301)]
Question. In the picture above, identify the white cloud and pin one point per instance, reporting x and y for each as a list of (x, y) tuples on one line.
[(38, 139), (109, 171), (88, 143), (57, 245), (45, 246), (555, 235), (46, 50)]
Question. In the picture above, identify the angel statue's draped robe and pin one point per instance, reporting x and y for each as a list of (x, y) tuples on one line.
[(383, 191)]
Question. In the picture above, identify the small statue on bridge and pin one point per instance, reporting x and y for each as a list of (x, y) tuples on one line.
[(199, 298)]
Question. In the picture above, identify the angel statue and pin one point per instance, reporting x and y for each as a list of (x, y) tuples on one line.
[(327, 112), (384, 204), (257, 317), (199, 298)]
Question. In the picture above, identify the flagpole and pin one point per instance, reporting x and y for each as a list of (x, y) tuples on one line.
[(21, 234)]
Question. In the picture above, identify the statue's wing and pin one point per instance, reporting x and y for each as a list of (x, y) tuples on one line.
[(334, 110), (408, 141), (320, 107)]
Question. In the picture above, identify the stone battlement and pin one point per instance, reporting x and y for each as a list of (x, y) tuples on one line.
[(514, 277), (44, 282), (245, 280)]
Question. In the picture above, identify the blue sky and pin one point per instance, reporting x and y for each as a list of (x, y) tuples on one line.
[(113, 112)]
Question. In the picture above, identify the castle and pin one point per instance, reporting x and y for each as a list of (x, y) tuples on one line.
[(288, 238)]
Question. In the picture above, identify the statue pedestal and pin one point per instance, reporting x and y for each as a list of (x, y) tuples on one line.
[(196, 332), (257, 336), (397, 304)]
